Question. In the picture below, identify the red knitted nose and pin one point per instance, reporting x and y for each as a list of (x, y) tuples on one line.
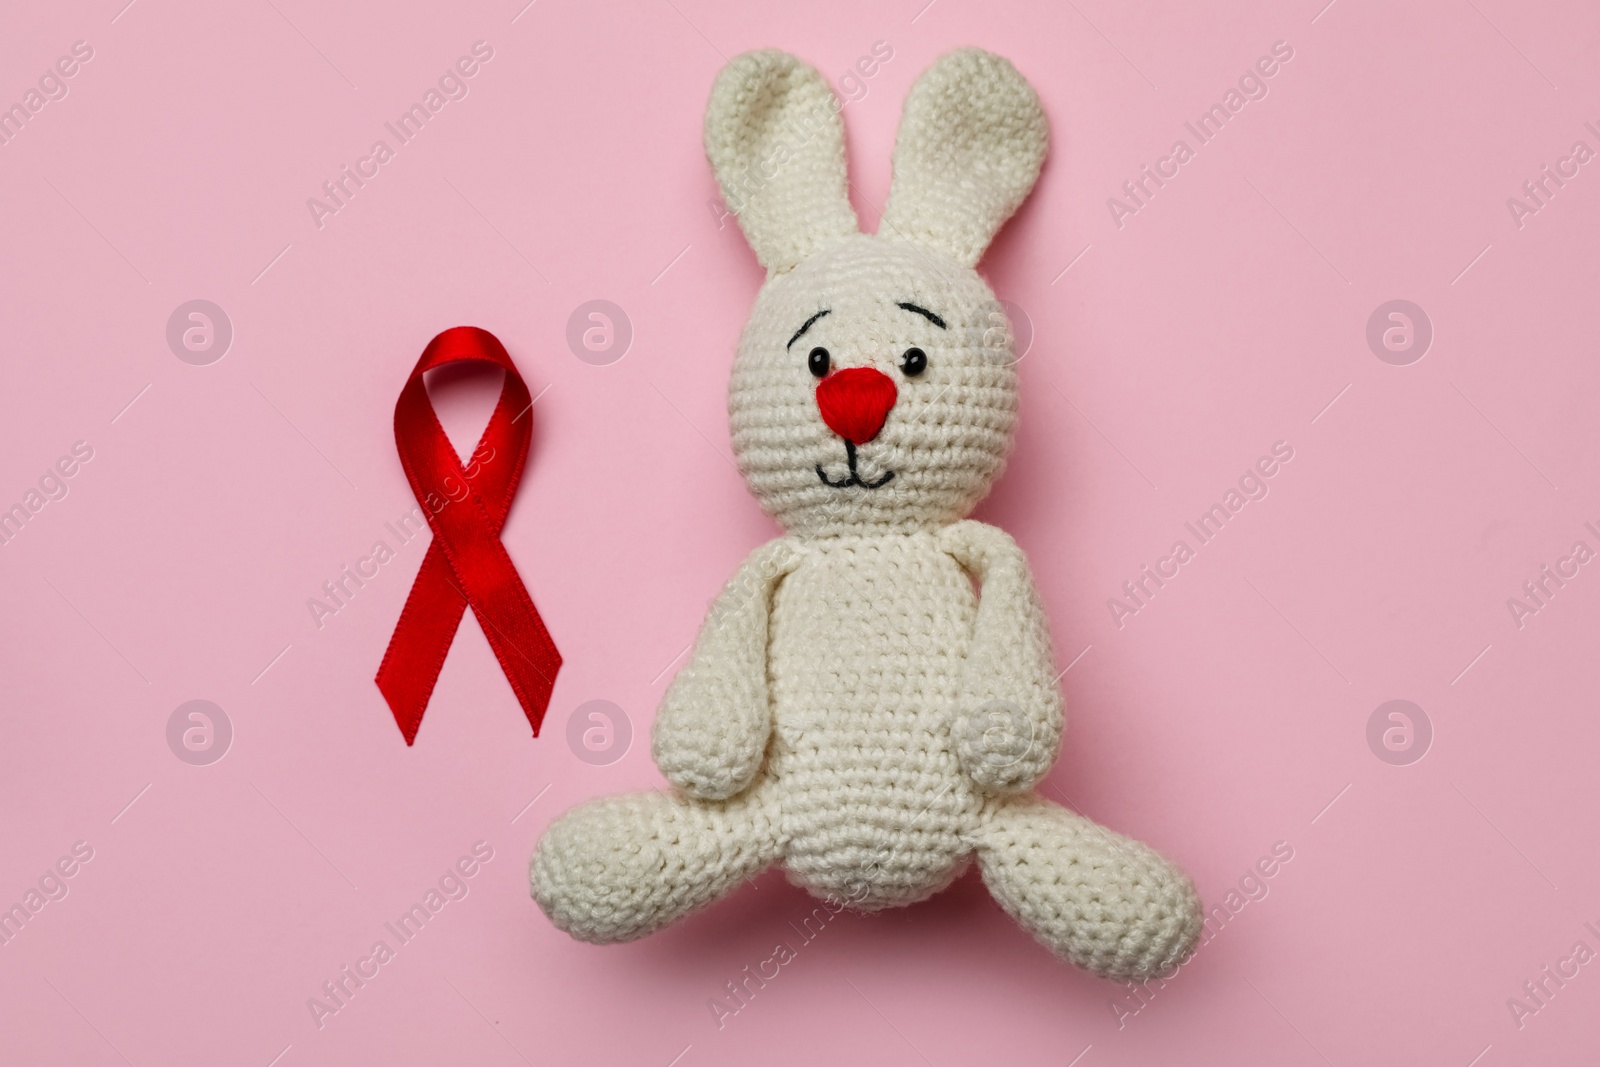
[(855, 401)]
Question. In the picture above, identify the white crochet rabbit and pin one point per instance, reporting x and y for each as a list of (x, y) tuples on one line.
[(872, 698)]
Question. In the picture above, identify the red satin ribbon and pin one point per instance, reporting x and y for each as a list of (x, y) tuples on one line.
[(466, 563)]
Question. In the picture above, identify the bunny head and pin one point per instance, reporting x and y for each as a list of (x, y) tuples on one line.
[(874, 387)]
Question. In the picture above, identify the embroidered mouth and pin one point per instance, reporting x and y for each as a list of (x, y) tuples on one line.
[(854, 477)]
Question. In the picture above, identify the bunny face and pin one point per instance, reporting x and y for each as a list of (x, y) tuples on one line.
[(874, 386)]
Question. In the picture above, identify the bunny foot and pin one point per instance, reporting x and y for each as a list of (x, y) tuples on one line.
[(1105, 902), (623, 867)]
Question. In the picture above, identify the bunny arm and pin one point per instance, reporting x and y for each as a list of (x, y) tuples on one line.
[(711, 731), (1009, 717)]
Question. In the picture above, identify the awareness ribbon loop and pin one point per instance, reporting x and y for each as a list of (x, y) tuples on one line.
[(465, 563)]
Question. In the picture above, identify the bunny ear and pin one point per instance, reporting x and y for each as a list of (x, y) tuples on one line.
[(775, 140), (972, 140)]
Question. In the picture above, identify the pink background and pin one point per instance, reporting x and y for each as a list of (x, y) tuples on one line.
[(1222, 719)]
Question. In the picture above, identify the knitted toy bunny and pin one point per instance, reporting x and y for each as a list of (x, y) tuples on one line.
[(855, 709)]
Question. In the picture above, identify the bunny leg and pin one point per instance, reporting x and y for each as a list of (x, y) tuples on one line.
[(1105, 902), (622, 867)]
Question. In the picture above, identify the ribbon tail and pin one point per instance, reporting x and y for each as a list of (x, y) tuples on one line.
[(420, 642), (516, 633)]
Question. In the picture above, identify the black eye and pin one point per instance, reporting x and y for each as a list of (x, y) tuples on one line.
[(817, 362), (914, 362)]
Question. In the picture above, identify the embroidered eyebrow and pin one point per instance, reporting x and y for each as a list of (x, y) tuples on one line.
[(925, 313), (806, 327)]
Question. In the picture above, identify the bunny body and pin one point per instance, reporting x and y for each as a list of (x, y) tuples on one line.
[(868, 636), (872, 698)]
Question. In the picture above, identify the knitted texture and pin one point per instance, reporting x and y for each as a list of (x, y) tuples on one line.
[(774, 137), (872, 697), (971, 115)]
